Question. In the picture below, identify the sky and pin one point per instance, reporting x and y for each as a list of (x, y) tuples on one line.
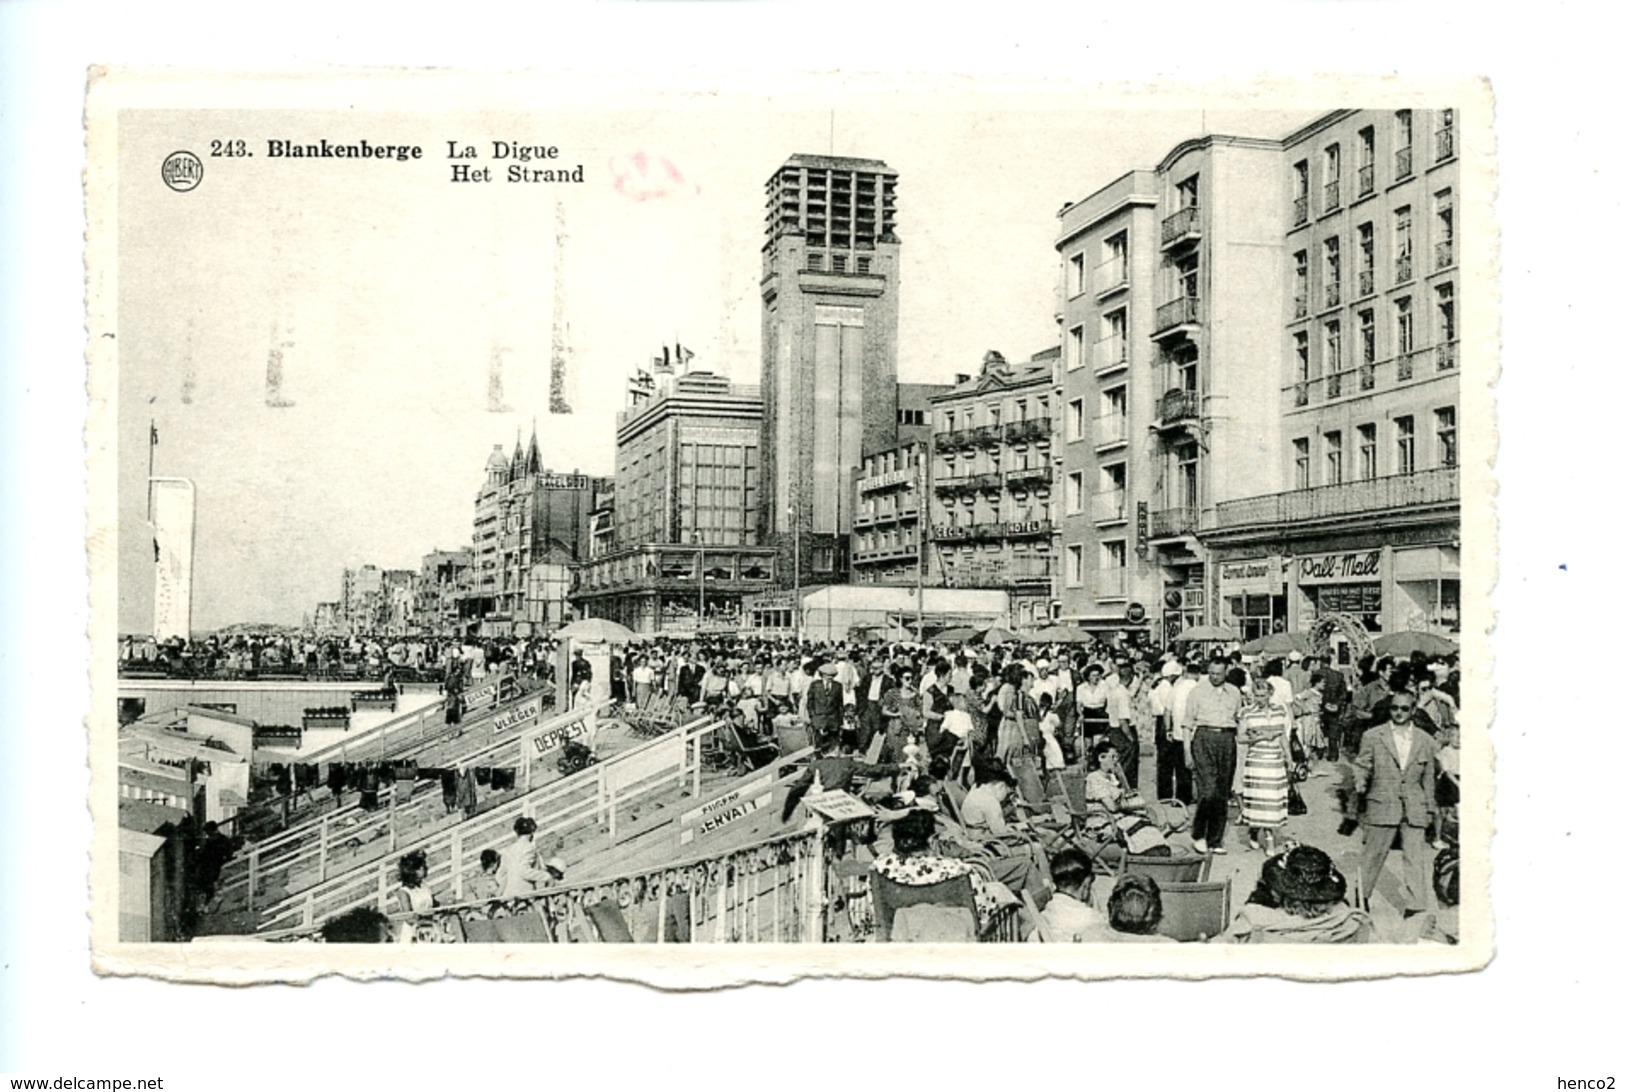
[(386, 291)]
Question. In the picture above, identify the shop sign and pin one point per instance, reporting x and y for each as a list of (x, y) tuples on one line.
[(1340, 568), (1027, 527), (837, 806), (1135, 613), (546, 742), (891, 477), (482, 695), (1256, 571), (728, 808), (522, 715), (1142, 526)]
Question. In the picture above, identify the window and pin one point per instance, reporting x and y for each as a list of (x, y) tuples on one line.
[(1113, 562), (1444, 230), (863, 264), (1185, 277), (1333, 443), (1332, 341), (1075, 275), (1074, 347), (1404, 327), (1113, 346), (1300, 357), (1404, 445), (1074, 419), (993, 419), (1444, 300), (1300, 192), (840, 263), (1368, 339), (1021, 409), (1402, 244), (1074, 566), (1402, 144), (947, 420), (1444, 139), (1368, 451), (1300, 463), (1444, 432), (815, 261), (1367, 258), (1333, 252), (1114, 267), (1185, 192), (1184, 360), (1074, 492), (1300, 284), (1367, 169), (1332, 174)]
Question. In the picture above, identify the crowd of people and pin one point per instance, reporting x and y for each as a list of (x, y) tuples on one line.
[(306, 656), (1034, 769)]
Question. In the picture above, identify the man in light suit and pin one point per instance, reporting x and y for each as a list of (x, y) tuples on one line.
[(1394, 772)]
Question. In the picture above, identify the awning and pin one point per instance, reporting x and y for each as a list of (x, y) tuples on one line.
[(1103, 621)]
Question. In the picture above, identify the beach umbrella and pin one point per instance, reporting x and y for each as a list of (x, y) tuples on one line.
[(996, 635), (1206, 633), (956, 635), (1276, 644), (1403, 644), (597, 629), (1058, 635)]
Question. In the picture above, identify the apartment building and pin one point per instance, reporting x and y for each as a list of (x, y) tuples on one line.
[(1366, 520), (991, 475)]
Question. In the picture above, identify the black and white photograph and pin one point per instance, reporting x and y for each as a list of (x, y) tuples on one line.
[(790, 521)]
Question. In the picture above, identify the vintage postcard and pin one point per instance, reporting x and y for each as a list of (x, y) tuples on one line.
[(701, 533)]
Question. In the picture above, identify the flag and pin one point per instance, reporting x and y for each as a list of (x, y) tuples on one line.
[(684, 355), (156, 555), (155, 434), (661, 366), (666, 352)]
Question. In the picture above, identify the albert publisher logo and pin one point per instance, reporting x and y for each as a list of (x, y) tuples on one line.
[(182, 171)]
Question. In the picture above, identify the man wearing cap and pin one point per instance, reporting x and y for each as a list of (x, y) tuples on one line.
[(1173, 776), (1394, 772), (1212, 712), (823, 703)]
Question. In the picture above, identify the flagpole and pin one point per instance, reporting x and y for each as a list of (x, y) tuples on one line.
[(152, 448)]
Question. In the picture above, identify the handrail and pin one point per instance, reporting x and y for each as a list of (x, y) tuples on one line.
[(295, 846), (602, 797)]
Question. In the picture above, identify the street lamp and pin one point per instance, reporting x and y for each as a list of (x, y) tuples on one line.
[(700, 570)]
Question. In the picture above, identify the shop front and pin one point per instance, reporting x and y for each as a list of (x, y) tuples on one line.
[(1427, 589), (1344, 582), (1184, 599), (1253, 596)]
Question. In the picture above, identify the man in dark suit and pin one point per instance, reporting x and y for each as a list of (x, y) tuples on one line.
[(823, 706), (1394, 772)]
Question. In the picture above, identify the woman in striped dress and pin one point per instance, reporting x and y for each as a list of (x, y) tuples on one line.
[(1264, 781)]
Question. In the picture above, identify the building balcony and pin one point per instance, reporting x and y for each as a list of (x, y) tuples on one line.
[(1178, 408), (1331, 196), (1444, 145), (902, 551), (1030, 477), (1110, 354), (1365, 282), (1300, 210), (1111, 430), (1445, 356), (1405, 367), (1174, 522), (988, 482), (1440, 486), (1030, 430), (1402, 269), (1366, 179), (1184, 226), (1300, 393), (949, 486), (1444, 254), (1110, 276), (885, 515), (1334, 294), (1111, 506), (1029, 528), (1030, 570), (1111, 583), (985, 436), (1176, 314), (1402, 163), (951, 440)]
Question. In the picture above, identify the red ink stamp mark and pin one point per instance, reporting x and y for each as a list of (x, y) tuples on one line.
[(182, 171), (644, 176)]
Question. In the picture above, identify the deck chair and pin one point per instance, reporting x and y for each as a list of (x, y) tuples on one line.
[(890, 897), (609, 922), (1194, 911), (1072, 781), (749, 756), (1166, 870), (1041, 932)]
